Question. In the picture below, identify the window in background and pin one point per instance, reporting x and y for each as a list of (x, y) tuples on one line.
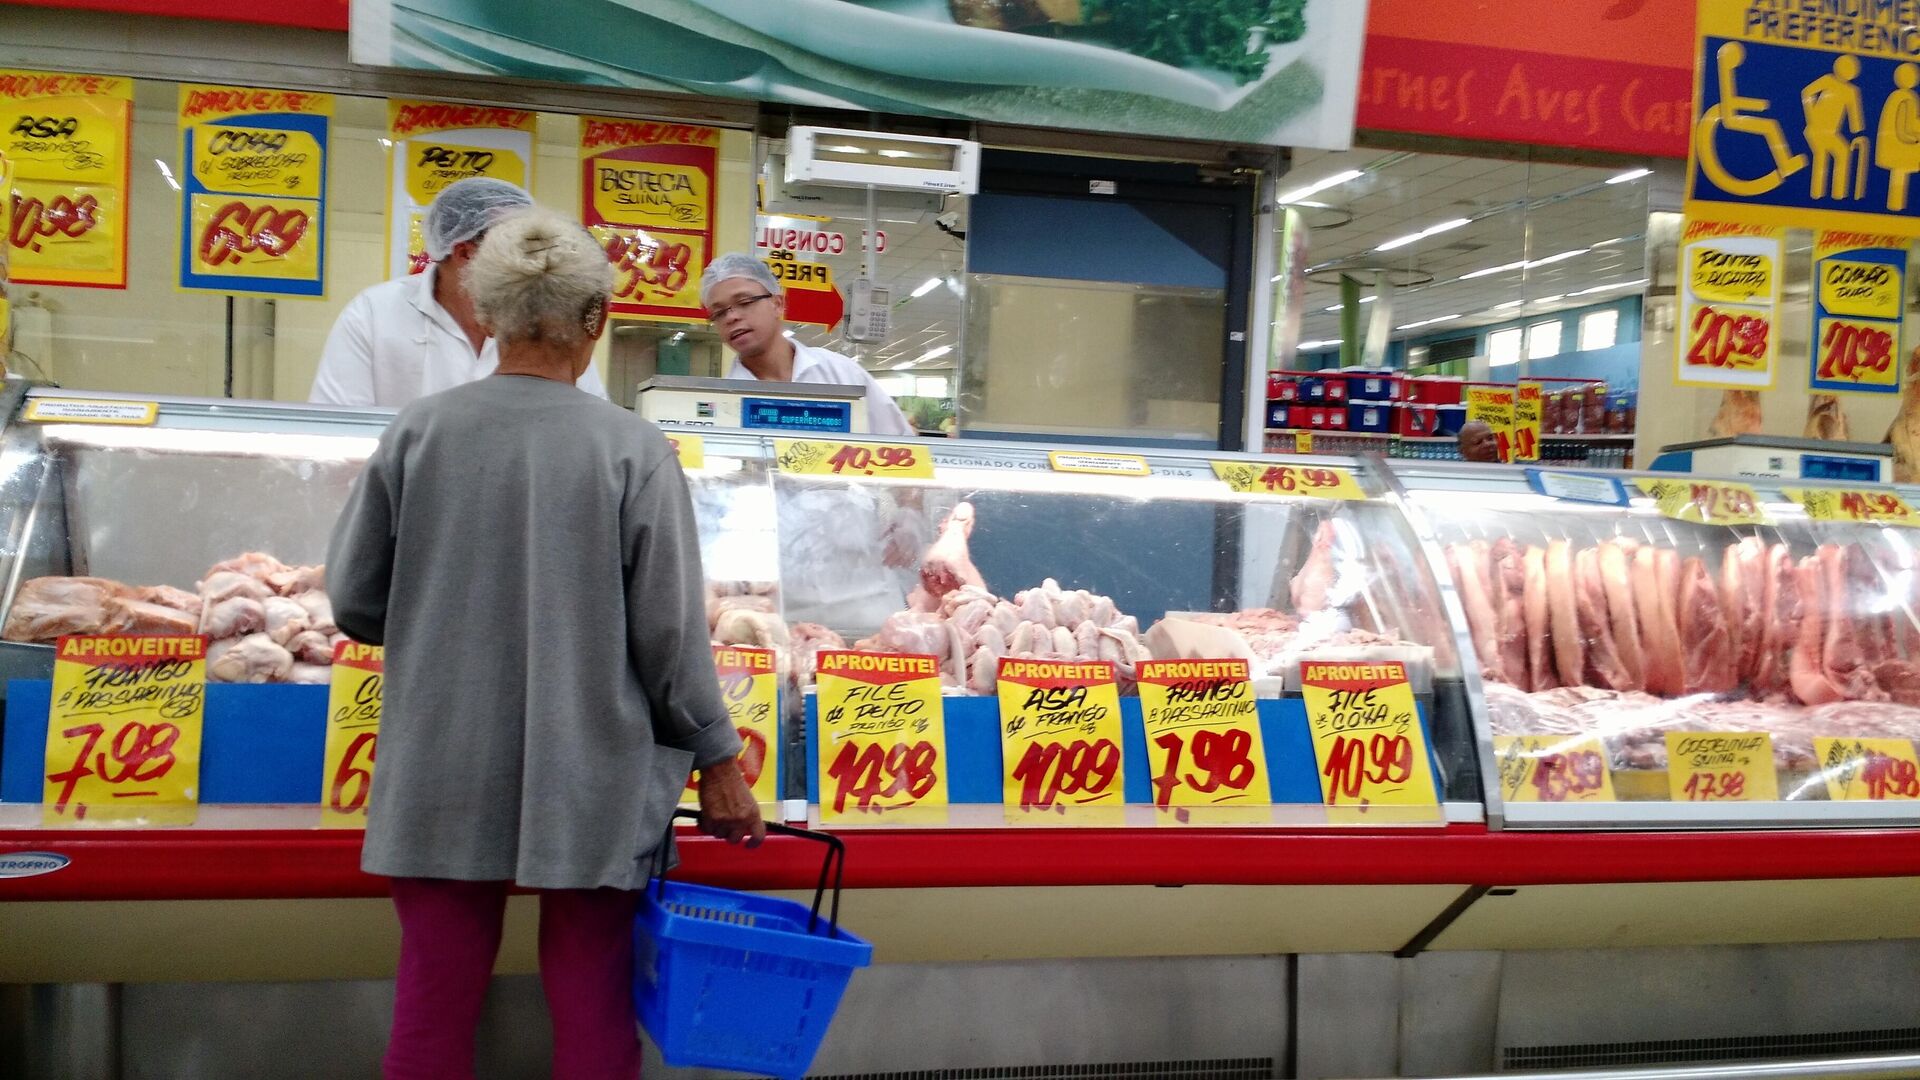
[(1543, 340), (896, 385), (1599, 330), (1503, 347)]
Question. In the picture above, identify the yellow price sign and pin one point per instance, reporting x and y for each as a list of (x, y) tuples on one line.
[(1876, 507), (1721, 766), (1869, 290), (883, 737), (1367, 736), (1204, 746), (651, 194), (1528, 410), (1724, 275), (1495, 408), (262, 160), (1293, 481), (1098, 464), (1706, 502), (83, 411), (355, 694), (434, 166), (1552, 768), (255, 237), (690, 449), (1872, 770), (815, 457), (1303, 442), (1059, 736), (123, 733), (750, 685)]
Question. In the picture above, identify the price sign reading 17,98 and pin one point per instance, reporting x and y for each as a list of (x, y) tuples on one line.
[(123, 735), (883, 738), (1060, 739), (816, 457), (353, 730), (1367, 735)]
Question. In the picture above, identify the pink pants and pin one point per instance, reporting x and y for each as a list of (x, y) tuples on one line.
[(449, 935)]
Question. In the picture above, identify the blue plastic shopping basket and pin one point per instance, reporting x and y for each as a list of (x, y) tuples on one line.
[(730, 980)]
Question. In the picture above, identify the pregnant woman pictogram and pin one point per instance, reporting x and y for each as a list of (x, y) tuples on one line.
[(1747, 116)]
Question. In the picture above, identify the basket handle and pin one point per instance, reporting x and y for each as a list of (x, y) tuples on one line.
[(834, 865)]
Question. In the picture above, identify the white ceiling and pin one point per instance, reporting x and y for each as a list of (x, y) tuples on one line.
[(1518, 211)]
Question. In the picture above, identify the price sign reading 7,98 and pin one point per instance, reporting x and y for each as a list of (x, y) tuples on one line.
[(1059, 738), (1367, 735), (354, 699), (1204, 745), (883, 737), (123, 734)]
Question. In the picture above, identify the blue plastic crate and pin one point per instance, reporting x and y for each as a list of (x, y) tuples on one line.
[(730, 980)]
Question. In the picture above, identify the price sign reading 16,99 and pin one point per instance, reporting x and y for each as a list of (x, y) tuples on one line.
[(883, 737), (123, 734), (1367, 735), (353, 730)]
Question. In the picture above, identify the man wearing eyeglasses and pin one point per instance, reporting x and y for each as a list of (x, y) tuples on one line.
[(415, 336), (747, 307)]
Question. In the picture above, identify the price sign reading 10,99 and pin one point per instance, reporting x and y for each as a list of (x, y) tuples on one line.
[(123, 733), (354, 699), (883, 737), (1367, 735), (1059, 738)]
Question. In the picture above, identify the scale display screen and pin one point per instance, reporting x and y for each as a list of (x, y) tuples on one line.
[(1858, 470), (801, 417)]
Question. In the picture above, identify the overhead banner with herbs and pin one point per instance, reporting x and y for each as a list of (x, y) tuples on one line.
[(1730, 278), (1859, 299), (436, 143), (253, 190), (648, 194), (1278, 72), (68, 139)]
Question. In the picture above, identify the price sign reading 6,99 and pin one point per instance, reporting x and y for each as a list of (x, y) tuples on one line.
[(123, 735), (883, 738), (751, 688), (814, 457), (1367, 735), (353, 732), (1059, 737), (1204, 747)]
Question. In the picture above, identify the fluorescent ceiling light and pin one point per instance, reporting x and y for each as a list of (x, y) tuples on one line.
[(1308, 192), (1364, 300), (1610, 288), (926, 287), (1562, 257), (1629, 176), (845, 148), (1524, 264), (1491, 270), (934, 354), (1319, 344), (1431, 230), (1509, 305), (1427, 322), (898, 154), (1551, 299)]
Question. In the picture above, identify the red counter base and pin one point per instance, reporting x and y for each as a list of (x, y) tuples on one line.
[(205, 865)]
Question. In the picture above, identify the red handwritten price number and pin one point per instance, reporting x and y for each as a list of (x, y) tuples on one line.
[(1706, 502), (1721, 766), (1724, 339), (1059, 735), (1552, 768), (806, 457), (750, 685), (238, 230), (1875, 507), (882, 737), (1204, 745), (1291, 481), (1856, 352), (1367, 736), (64, 217), (1873, 770), (1528, 412), (123, 733), (355, 695)]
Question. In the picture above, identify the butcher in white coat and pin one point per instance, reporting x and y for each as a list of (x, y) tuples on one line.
[(847, 551), (414, 336)]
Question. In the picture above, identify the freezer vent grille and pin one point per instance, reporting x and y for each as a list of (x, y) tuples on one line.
[(1683, 1051), (1197, 1069)]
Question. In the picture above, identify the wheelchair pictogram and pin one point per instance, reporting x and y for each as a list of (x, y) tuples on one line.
[(1745, 116)]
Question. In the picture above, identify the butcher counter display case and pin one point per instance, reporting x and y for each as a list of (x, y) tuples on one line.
[(1676, 651), (213, 517)]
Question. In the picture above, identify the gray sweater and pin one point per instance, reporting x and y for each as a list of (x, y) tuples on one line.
[(528, 555)]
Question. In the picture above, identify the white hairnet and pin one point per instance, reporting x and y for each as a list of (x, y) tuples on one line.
[(737, 264), (465, 209)]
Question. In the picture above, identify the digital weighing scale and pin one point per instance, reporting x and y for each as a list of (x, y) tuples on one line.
[(1780, 458), (751, 405)]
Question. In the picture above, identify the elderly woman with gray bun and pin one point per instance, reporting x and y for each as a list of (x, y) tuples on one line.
[(527, 553)]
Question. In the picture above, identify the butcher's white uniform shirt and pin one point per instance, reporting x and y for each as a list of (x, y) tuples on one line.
[(394, 343), (833, 534)]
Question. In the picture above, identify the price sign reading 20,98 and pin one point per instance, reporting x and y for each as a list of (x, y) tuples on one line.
[(883, 737), (1059, 736), (123, 734), (354, 697), (1367, 736)]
